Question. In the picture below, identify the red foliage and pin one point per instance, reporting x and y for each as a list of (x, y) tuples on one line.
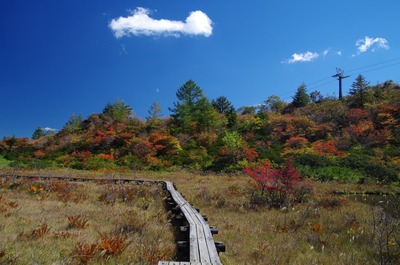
[(263, 175), (356, 115), (144, 148), (279, 183), (251, 154), (106, 157)]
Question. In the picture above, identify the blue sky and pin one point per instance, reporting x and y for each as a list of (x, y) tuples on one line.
[(63, 57)]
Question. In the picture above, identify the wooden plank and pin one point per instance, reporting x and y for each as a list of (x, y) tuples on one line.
[(207, 249), (202, 248)]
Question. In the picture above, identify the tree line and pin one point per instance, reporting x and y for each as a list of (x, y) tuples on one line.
[(356, 138)]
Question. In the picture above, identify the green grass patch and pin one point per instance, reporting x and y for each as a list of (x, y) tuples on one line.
[(4, 162), (336, 173)]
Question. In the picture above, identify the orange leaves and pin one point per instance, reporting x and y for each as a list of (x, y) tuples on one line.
[(108, 246), (286, 126), (112, 246), (84, 252), (327, 148), (296, 142), (36, 188), (39, 154), (77, 221), (41, 231), (356, 115), (106, 157), (143, 148), (251, 154)]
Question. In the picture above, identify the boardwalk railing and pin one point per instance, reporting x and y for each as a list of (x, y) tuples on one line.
[(196, 236)]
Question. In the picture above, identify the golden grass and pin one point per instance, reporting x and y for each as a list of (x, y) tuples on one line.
[(52, 226), (327, 229)]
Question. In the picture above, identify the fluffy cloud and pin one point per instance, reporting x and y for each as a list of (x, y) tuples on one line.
[(140, 23), (302, 57), (367, 43)]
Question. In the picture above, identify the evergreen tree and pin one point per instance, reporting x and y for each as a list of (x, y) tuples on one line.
[(247, 110), (274, 103), (74, 123), (154, 120), (38, 133), (358, 89), (193, 111), (224, 106), (119, 111), (301, 98)]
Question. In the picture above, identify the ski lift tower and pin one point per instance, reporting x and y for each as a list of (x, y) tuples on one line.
[(339, 75)]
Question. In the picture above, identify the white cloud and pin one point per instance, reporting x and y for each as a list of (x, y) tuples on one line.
[(367, 43), (325, 52), (302, 57), (339, 53), (139, 23), (49, 130)]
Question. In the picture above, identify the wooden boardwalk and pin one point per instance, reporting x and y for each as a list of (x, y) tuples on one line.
[(199, 241), (202, 247)]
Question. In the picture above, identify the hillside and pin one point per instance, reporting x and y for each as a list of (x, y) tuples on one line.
[(353, 139)]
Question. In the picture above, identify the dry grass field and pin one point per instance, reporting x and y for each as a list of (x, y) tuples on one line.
[(323, 229), (56, 222)]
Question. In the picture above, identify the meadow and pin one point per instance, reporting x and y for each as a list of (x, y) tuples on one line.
[(322, 228), (57, 222)]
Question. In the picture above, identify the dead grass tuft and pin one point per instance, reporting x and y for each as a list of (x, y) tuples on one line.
[(77, 221)]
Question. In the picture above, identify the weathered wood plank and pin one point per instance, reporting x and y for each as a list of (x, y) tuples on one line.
[(202, 248)]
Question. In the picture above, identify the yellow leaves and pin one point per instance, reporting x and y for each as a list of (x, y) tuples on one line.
[(36, 188)]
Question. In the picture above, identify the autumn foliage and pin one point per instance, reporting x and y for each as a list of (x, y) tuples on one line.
[(213, 136), (277, 185)]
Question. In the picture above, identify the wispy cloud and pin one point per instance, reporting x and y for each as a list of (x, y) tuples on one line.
[(372, 44), (140, 23), (302, 57)]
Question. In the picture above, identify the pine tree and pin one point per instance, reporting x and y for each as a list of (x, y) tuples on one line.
[(74, 123), (358, 89), (119, 111), (301, 98), (193, 112), (154, 120), (38, 133)]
